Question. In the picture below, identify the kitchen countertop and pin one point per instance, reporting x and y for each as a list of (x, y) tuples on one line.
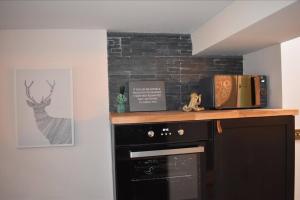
[(168, 116)]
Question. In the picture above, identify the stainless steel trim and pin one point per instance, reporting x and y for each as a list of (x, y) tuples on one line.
[(166, 152)]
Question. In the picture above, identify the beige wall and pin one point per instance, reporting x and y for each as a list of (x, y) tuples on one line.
[(58, 173), (291, 92), (267, 62), (281, 64)]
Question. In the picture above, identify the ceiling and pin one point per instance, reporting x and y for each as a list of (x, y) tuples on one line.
[(126, 16)]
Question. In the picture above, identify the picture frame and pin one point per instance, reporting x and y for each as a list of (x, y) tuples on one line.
[(44, 107)]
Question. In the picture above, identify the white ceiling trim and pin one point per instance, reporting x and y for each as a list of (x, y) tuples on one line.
[(231, 21)]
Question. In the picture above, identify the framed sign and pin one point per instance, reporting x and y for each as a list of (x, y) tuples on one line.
[(147, 96)]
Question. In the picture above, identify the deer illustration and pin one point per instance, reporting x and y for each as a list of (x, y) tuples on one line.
[(56, 130)]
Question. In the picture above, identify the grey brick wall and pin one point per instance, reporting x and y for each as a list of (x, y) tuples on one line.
[(167, 57)]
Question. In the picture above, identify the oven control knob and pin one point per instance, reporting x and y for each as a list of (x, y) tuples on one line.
[(180, 131), (151, 134)]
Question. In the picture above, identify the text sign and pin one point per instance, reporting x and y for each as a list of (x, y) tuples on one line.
[(147, 96)]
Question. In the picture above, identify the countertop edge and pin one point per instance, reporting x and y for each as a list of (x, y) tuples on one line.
[(168, 116)]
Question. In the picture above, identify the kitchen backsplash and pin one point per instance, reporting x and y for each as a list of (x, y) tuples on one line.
[(166, 57)]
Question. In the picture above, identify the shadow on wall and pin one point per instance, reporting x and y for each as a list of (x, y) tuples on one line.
[(166, 57)]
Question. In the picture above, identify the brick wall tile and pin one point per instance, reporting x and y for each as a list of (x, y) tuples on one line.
[(166, 57)]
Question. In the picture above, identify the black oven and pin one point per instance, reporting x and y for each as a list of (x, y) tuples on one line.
[(163, 161)]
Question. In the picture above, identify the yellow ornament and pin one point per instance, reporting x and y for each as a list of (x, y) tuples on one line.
[(194, 104)]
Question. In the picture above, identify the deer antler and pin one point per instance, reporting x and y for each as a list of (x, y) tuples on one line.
[(28, 91), (51, 90)]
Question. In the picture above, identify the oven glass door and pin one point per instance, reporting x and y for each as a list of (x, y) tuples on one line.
[(169, 174)]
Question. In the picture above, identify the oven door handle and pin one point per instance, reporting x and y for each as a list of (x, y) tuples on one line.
[(166, 152)]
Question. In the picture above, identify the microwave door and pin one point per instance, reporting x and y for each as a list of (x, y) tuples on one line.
[(244, 91), (225, 91)]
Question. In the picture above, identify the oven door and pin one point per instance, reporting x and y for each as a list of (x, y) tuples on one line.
[(161, 174)]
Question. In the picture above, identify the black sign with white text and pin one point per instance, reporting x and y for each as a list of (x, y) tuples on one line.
[(147, 96)]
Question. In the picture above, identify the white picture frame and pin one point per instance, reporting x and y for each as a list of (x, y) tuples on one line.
[(44, 107)]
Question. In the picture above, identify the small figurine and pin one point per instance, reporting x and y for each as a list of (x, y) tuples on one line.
[(194, 104), (121, 100)]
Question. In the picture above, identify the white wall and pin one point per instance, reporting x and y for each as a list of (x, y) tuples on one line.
[(281, 63), (58, 173), (267, 62), (291, 91)]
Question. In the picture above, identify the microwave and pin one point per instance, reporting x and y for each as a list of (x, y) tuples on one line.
[(234, 91)]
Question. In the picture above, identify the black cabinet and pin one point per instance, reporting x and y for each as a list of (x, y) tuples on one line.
[(254, 159)]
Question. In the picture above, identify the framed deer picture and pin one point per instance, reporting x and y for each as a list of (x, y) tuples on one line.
[(44, 107)]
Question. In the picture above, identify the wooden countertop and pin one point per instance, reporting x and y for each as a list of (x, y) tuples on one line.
[(168, 116)]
